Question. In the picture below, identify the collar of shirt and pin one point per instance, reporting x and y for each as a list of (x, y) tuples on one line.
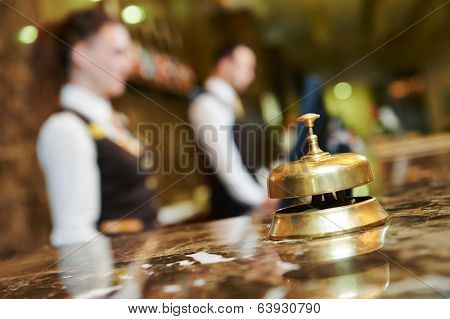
[(94, 107), (223, 90)]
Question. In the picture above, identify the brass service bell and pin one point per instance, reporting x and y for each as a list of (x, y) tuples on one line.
[(328, 179)]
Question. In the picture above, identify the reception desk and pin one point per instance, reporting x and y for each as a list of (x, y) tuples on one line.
[(232, 258)]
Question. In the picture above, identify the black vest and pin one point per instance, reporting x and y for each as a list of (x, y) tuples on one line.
[(223, 205), (123, 178)]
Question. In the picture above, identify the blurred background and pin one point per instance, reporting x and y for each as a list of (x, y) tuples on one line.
[(384, 66)]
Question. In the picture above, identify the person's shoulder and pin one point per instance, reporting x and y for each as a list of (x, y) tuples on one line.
[(63, 125), (204, 99), (63, 122), (204, 104)]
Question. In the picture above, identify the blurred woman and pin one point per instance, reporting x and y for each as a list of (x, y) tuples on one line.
[(92, 163)]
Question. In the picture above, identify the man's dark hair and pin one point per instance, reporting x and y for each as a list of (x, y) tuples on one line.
[(227, 50)]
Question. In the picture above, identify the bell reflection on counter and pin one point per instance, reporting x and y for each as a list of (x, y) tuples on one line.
[(364, 276), (328, 179), (347, 266)]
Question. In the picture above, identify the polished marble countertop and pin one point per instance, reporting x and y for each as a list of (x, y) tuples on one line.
[(232, 258)]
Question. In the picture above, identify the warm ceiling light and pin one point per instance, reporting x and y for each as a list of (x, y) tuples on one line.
[(28, 34), (133, 14), (342, 90)]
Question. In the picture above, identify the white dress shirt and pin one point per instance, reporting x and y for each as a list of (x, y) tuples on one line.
[(68, 157), (215, 109)]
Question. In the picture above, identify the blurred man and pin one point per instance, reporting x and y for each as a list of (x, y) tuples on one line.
[(214, 113)]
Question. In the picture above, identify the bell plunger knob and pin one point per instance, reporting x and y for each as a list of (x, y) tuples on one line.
[(314, 151), (309, 119)]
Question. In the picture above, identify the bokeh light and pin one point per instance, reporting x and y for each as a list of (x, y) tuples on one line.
[(28, 34), (133, 14), (342, 90)]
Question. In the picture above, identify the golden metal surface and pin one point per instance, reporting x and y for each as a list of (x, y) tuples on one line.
[(314, 151), (325, 175), (346, 266), (334, 248), (318, 172), (303, 221), (328, 179)]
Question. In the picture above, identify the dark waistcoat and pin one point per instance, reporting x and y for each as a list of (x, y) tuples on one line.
[(123, 180)]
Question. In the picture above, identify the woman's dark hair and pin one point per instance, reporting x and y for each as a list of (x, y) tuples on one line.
[(50, 56)]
